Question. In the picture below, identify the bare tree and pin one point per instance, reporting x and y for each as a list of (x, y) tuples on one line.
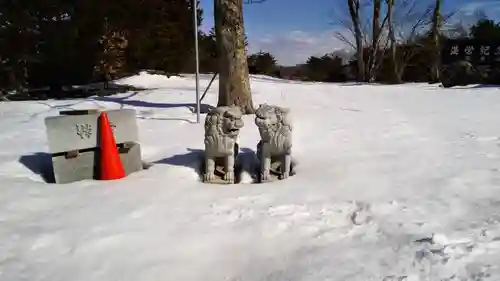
[(392, 39), (234, 82), (354, 12), (435, 31), (377, 48), (461, 26), (456, 30), (367, 30), (406, 21), (408, 25), (377, 4)]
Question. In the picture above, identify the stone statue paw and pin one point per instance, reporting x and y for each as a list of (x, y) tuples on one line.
[(209, 177), (229, 177), (284, 176), (265, 176)]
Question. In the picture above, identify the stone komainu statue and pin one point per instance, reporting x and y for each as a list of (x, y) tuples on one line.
[(274, 150), (222, 127)]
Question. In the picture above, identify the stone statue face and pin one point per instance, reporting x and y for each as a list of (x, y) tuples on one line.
[(266, 118), (232, 122)]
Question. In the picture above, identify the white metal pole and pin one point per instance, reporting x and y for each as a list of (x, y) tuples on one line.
[(195, 13)]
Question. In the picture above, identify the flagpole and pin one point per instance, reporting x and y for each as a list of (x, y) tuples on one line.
[(197, 60)]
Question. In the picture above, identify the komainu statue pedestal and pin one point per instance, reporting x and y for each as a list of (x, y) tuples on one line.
[(274, 150), (222, 128)]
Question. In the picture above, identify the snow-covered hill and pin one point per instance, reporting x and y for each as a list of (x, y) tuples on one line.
[(393, 183)]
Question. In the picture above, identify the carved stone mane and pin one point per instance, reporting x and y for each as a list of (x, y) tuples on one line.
[(275, 146), (220, 133), (222, 127), (275, 127)]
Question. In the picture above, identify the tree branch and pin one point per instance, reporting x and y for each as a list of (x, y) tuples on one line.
[(345, 40), (254, 1)]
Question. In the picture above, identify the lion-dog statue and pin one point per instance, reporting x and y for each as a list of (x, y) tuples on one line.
[(274, 150), (222, 128)]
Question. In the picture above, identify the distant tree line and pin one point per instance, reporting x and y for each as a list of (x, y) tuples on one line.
[(53, 43), (56, 43), (414, 59)]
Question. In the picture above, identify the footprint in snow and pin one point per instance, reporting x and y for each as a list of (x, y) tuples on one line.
[(362, 214)]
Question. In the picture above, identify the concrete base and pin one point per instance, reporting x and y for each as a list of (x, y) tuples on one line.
[(74, 143), (275, 170), (219, 171), (85, 164)]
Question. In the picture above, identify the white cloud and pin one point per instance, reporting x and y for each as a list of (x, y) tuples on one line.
[(296, 46), (470, 9)]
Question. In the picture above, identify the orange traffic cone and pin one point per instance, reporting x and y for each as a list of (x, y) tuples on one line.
[(111, 167)]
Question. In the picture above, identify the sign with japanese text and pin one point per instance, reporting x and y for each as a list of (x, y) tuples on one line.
[(475, 51), (80, 132)]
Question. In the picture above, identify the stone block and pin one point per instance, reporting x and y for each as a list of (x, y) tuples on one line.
[(78, 112), (74, 143), (85, 165), (77, 132)]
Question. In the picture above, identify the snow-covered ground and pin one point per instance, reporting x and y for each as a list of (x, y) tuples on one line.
[(393, 183)]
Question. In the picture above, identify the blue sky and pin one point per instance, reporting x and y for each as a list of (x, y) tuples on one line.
[(293, 30)]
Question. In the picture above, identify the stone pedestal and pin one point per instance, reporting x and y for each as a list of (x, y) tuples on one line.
[(73, 139)]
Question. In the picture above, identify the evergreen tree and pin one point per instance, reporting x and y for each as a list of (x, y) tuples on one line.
[(485, 29), (262, 63)]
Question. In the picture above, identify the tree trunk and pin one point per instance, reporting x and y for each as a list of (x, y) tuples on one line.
[(376, 21), (396, 73), (234, 83), (436, 22), (354, 13), (375, 40)]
